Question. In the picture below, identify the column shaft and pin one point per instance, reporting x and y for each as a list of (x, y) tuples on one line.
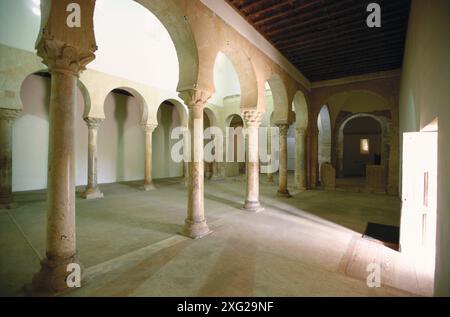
[(92, 190), (61, 245), (148, 174), (300, 159), (252, 120), (283, 173), (6, 120), (269, 147), (195, 224)]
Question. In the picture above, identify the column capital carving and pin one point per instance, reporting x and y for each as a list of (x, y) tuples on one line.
[(195, 97), (59, 56), (284, 128), (149, 127), (9, 114), (252, 117), (301, 131), (93, 123)]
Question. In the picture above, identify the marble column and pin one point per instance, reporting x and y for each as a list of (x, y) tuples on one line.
[(252, 119), (283, 172), (92, 190), (66, 54), (7, 116), (195, 226), (300, 159), (148, 178)]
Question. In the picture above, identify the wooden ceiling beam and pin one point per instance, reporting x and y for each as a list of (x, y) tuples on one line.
[(294, 12), (345, 29), (283, 3), (391, 8), (352, 72), (349, 62), (288, 24), (343, 43)]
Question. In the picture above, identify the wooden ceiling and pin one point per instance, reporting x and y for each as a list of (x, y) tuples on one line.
[(328, 39)]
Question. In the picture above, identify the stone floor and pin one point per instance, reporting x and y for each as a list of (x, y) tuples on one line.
[(309, 245)]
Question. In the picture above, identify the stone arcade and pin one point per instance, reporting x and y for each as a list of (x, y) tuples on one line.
[(91, 93)]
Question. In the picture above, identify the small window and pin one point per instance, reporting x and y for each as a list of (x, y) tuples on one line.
[(364, 146)]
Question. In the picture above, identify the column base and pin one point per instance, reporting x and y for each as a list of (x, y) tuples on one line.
[(253, 206), (52, 279), (11, 205), (149, 187), (284, 193), (92, 193), (217, 178), (195, 230)]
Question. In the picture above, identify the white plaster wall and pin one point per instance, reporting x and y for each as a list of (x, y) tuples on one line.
[(226, 80), (126, 34), (163, 165), (19, 23), (30, 137), (425, 94)]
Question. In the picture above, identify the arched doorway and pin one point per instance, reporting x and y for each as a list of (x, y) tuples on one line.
[(362, 146)]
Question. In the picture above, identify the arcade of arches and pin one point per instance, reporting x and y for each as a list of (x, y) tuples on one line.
[(88, 175)]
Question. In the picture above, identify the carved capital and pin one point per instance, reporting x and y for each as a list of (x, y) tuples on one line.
[(252, 118), (301, 131), (284, 128), (9, 114), (195, 97), (93, 123), (149, 127), (59, 56)]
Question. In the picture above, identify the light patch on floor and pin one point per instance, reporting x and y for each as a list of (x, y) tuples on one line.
[(308, 245)]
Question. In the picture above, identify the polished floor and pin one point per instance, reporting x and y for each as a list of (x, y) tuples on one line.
[(308, 245)]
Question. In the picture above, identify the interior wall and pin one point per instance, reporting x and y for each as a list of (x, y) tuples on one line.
[(425, 94), (354, 163), (121, 141), (163, 165), (226, 80), (30, 137)]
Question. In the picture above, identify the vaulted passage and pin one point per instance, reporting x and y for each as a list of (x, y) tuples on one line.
[(224, 148)]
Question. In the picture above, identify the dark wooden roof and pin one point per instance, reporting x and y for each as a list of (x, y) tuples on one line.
[(328, 39)]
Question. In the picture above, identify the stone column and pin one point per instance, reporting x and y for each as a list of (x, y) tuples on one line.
[(216, 174), (195, 226), (252, 119), (283, 173), (92, 190), (148, 179), (300, 159), (269, 147), (66, 51), (7, 116), (314, 158)]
